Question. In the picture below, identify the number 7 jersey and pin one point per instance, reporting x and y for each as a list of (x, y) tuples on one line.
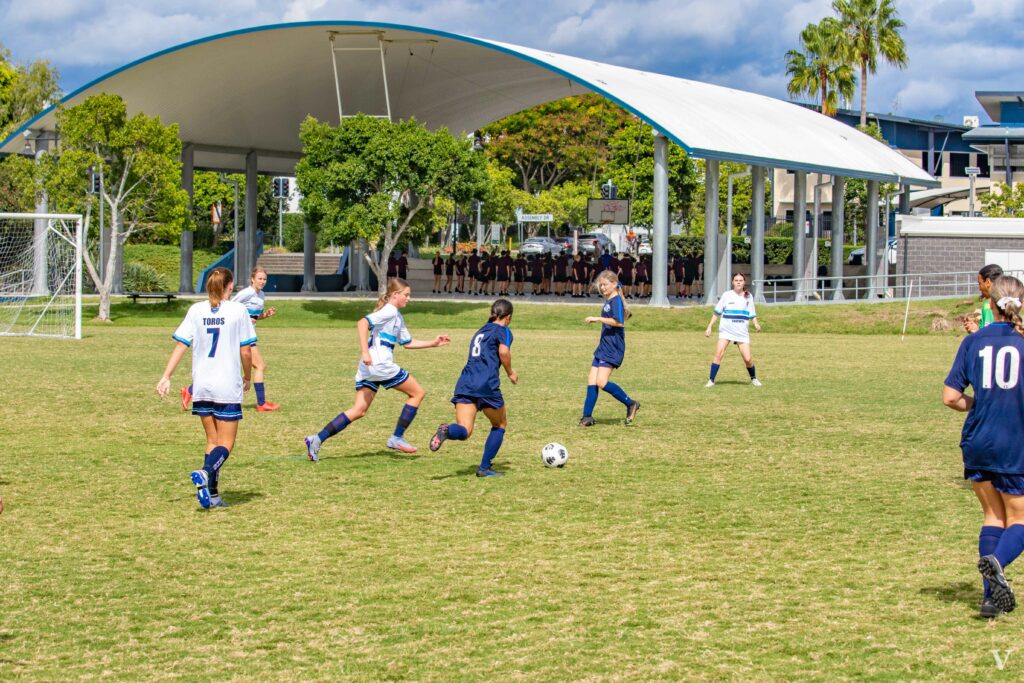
[(215, 336), (989, 360)]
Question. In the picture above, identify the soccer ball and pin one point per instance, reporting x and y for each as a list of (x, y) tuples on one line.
[(554, 455)]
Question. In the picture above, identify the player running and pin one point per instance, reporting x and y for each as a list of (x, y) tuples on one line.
[(479, 387), (379, 333), (736, 309), (611, 349), (221, 336)]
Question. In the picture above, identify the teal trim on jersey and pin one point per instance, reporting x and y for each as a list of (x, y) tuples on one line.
[(403, 343), (183, 341), (370, 322), (248, 342), (389, 337)]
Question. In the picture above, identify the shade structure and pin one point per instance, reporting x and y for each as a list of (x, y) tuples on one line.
[(250, 89)]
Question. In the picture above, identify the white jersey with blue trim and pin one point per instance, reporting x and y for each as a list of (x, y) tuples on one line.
[(736, 312), (387, 329), (253, 301), (215, 336)]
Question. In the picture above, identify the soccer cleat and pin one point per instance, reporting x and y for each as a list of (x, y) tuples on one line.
[(988, 609), (439, 437), (587, 421), (1002, 594), (755, 382), (399, 444), (631, 411), (217, 502), (710, 384), (186, 398), (480, 472), (267, 407), (313, 444), (202, 482)]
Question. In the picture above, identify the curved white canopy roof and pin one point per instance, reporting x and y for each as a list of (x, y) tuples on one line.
[(250, 89)]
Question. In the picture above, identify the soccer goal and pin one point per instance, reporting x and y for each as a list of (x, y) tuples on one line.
[(41, 275)]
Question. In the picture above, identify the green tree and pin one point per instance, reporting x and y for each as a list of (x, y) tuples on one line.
[(1003, 201), (139, 160), (17, 184), (822, 70), (872, 28), (374, 179), (562, 140), (25, 90)]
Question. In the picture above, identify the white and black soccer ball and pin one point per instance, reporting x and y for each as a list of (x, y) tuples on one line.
[(554, 455)]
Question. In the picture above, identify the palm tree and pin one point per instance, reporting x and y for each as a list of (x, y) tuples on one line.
[(823, 68), (872, 28)]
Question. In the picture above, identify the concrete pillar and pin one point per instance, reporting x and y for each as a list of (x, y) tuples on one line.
[(187, 236), (710, 231), (659, 269), (871, 245), (838, 219), (757, 174), (905, 200), (251, 194), (40, 230), (799, 234), (309, 258)]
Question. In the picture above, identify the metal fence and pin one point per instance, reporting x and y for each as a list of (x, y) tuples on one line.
[(872, 288)]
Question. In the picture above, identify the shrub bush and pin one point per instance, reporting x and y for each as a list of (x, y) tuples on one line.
[(138, 277)]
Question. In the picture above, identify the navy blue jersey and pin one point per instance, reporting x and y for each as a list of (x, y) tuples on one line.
[(479, 379), (611, 347), (990, 361)]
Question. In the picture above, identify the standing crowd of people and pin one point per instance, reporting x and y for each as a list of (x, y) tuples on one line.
[(499, 273)]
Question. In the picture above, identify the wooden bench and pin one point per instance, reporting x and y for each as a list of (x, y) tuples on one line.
[(135, 296)]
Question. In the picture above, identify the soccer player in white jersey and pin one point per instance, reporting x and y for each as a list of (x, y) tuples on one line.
[(379, 333), (221, 337), (736, 309), (254, 300)]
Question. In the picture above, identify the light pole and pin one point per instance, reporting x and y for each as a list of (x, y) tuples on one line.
[(728, 230), (972, 173), (238, 258), (817, 229)]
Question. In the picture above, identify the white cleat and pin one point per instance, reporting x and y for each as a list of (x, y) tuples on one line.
[(710, 384), (313, 447), (756, 382)]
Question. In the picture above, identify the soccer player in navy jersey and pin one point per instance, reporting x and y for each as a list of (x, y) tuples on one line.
[(479, 387), (611, 349), (989, 360)]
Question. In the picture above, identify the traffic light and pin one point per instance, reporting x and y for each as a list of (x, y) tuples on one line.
[(281, 188), (94, 182), (609, 191)]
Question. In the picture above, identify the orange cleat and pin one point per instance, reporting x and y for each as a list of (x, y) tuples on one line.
[(186, 398), (267, 407)]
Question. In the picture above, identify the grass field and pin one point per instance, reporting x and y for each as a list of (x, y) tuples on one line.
[(814, 529)]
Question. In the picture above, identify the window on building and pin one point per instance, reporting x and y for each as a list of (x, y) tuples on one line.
[(983, 165), (958, 163), (928, 167)]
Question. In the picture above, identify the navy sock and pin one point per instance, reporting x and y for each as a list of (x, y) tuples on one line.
[(714, 370), (988, 540), (334, 426), (494, 440), (405, 419), (214, 461), (752, 372), (261, 394), (588, 405), (618, 393), (1010, 545), (458, 432)]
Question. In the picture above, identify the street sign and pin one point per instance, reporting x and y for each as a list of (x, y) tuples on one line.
[(973, 170), (536, 218)]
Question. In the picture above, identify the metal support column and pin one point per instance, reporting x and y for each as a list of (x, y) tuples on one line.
[(659, 270), (905, 200), (710, 231), (251, 195), (799, 234), (40, 230), (871, 245), (309, 259), (838, 220), (187, 236), (757, 174)]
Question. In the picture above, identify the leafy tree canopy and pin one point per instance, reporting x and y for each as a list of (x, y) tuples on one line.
[(25, 90)]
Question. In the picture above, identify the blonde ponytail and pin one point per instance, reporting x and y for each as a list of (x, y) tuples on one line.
[(395, 284)]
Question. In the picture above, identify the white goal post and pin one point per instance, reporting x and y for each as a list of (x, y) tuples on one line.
[(41, 275)]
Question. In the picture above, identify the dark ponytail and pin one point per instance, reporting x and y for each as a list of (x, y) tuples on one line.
[(502, 308)]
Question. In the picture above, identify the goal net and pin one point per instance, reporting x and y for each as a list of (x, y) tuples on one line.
[(41, 275)]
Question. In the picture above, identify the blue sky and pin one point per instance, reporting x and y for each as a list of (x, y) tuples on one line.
[(955, 46)]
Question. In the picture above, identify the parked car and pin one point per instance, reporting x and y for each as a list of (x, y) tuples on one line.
[(539, 245), (645, 248), (595, 241), (564, 244), (857, 258)]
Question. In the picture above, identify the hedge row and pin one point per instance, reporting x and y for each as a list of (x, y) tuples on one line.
[(777, 250)]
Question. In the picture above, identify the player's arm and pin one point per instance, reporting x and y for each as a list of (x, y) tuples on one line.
[(439, 340), (610, 322), (163, 387), (267, 313), (505, 356), (246, 354), (956, 399), (711, 324), (363, 328)]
